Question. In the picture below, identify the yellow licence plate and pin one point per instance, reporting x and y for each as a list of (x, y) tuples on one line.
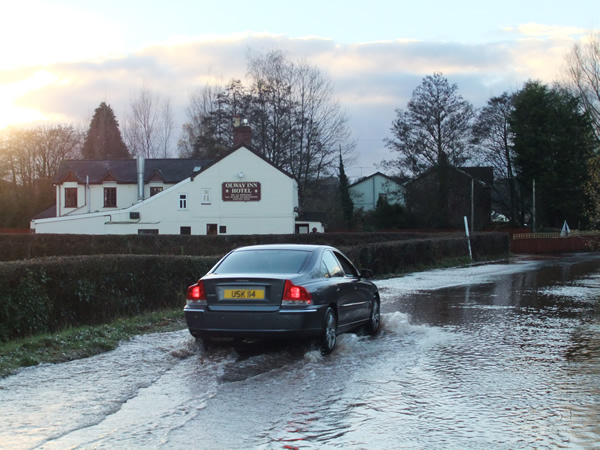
[(244, 294)]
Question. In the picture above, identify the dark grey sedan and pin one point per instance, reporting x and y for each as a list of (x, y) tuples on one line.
[(283, 291)]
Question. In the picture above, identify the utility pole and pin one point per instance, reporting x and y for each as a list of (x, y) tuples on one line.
[(533, 218), (472, 204)]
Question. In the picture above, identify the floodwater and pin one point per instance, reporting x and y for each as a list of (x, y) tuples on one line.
[(502, 355)]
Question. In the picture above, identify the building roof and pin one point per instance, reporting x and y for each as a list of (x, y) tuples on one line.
[(483, 175), (124, 171), (363, 179), (47, 213)]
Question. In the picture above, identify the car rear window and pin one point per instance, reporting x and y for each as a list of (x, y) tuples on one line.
[(264, 261)]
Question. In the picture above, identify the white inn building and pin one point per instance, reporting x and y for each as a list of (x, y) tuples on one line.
[(239, 193)]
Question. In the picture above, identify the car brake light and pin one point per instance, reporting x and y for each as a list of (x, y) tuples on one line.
[(196, 293), (295, 295)]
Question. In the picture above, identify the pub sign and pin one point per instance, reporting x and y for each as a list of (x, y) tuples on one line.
[(241, 191)]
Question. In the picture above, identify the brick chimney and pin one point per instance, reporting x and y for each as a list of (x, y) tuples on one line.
[(242, 133)]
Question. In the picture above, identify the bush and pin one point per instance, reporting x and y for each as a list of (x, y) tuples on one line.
[(49, 294), (388, 258), (28, 246)]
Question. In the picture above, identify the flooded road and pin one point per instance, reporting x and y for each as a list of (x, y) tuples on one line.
[(500, 355)]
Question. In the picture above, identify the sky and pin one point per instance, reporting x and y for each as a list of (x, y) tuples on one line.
[(61, 58)]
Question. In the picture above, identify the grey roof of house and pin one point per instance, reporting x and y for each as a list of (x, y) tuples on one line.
[(125, 170), (47, 213), (363, 179)]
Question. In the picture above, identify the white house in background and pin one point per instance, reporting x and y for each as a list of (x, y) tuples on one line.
[(368, 190), (239, 193)]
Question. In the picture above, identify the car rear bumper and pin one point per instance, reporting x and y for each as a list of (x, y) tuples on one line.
[(205, 323)]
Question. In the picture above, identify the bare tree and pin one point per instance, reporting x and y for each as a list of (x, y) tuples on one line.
[(272, 77), (29, 159), (300, 127), (149, 124), (434, 129), (17, 155), (320, 133), (28, 155), (208, 131), (17, 169), (166, 128), (54, 144), (296, 122), (200, 104), (583, 73), (493, 135), (433, 132)]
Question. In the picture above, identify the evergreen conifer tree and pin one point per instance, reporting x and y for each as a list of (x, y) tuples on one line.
[(553, 141), (346, 201), (103, 139)]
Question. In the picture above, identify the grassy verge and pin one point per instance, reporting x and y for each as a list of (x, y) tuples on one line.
[(75, 343)]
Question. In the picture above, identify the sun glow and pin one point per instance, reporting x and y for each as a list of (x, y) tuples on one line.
[(11, 113)]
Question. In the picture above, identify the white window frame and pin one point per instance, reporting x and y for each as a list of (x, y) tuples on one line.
[(183, 201), (206, 196)]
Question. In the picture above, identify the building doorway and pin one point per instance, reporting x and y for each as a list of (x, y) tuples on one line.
[(211, 228)]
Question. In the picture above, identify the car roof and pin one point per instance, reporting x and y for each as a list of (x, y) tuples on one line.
[(304, 247)]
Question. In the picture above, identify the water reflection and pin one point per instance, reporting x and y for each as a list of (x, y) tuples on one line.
[(525, 360)]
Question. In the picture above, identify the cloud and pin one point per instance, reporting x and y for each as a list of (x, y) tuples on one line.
[(537, 30)]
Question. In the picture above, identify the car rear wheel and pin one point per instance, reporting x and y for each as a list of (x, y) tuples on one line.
[(329, 333), (375, 318)]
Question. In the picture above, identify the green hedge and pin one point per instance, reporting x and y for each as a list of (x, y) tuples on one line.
[(388, 258), (53, 293), (27, 246), (49, 294)]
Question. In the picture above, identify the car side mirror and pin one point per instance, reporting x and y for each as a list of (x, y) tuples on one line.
[(366, 273)]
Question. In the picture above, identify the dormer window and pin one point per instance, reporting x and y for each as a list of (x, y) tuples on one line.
[(110, 197), (155, 190), (71, 197)]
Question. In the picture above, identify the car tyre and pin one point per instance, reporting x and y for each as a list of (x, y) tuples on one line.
[(329, 333), (375, 318)]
